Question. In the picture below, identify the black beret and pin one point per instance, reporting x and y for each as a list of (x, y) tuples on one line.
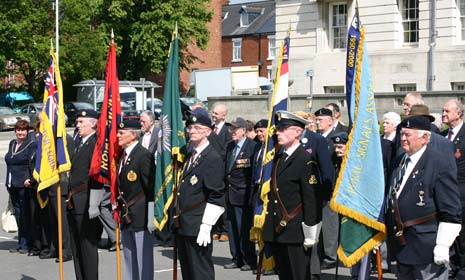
[(239, 122), (286, 119), (416, 122), (87, 113), (340, 137), (199, 116), (129, 124), (324, 112), (261, 124)]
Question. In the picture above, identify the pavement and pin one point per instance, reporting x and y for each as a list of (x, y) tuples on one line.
[(17, 266)]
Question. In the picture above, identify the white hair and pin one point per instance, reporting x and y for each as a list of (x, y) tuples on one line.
[(393, 117)]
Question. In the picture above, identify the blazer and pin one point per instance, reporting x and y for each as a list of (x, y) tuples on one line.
[(238, 179), (199, 184), (153, 140), (137, 175), (459, 154), (297, 184), (220, 141), (430, 188), (79, 175), (17, 163)]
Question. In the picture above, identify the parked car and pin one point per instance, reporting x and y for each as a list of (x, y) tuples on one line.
[(32, 110), (8, 118), (71, 109)]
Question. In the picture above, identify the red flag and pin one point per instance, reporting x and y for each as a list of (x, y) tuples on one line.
[(107, 150)]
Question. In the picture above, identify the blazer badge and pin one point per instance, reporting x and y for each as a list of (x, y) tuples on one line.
[(132, 176), (313, 180), (194, 180)]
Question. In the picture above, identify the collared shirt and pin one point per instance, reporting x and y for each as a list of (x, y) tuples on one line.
[(292, 149), (200, 149), (239, 145), (84, 139), (325, 134), (128, 151), (455, 131), (219, 126), (146, 138), (390, 137), (413, 162)]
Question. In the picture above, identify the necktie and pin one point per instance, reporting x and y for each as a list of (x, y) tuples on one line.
[(258, 165), (400, 176), (123, 160), (79, 145), (216, 130), (285, 156), (449, 134), (192, 159), (233, 157)]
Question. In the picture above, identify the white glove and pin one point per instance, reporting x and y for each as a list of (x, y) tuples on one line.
[(94, 202), (447, 232), (204, 238), (211, 214), (150, 211), (311, 234)]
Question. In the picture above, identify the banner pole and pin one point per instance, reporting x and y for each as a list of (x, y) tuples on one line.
[(175, 246), (60, 231), (379, 264), (118, 253)]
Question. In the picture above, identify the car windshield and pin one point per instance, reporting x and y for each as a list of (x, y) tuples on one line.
[(39, 107), (5, 111), (82, 106)]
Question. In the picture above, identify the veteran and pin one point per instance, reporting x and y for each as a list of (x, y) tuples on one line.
[(424, 210), (294, 211), (84, 196), (199, 200), (136, 193)]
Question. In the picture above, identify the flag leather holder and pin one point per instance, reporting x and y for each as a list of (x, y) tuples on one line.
[(73, 191), (126, 204), (179, 212)]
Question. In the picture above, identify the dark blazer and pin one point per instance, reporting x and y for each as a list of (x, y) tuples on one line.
[(318, 148), (17, 163), (341, 128), (296, 185), (432, 175), (79, 175), (220, 141), (459, 154), (153, 140), (202, 182), (137, 175), (238, 180)]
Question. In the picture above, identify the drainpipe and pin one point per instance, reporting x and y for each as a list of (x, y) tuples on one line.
[(432, 45)]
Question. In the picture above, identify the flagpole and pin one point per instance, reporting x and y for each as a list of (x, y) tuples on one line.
[(175, 246), (60, 231), (57, 29)]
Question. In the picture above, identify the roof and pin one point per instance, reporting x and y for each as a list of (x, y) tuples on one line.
[(101, 83), (261, 14)]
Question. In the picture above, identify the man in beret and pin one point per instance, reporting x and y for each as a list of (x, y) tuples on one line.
[(424, 213), (337, 124), (294, 210), (136, 186), (83, 199), (238, 181), (199, 200)]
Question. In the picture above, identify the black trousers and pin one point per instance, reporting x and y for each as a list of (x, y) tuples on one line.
[(292, 260), (458, 260), (240, 221), (84, 245), (20, 201), (53, 215), (196, 261), (39, 224)]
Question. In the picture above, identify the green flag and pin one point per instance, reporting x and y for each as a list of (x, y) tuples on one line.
[(172, 144)]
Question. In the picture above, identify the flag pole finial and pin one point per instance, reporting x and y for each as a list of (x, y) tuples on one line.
[(176, 29), (112, 36), (51, 43)]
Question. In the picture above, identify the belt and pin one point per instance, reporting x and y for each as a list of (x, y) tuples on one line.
[(136, 198), (421, 220), (179, 212), (73, 191)]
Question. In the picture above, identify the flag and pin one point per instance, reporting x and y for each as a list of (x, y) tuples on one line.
[(107, 150), (278, 102), (172, 140), (52, 156), (359, 190)]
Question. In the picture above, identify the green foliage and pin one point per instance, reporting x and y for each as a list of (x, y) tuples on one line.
[(142, 29)]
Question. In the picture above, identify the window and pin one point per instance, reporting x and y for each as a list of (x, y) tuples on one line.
[(237, 49), (271, 47), (334, 89), (410, 22), (458, 85), (404, 87), (461, 14), (338, 26), (244, 19)]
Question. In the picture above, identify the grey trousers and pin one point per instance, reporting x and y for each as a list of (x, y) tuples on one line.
[(106, 217), (138, 254), (422, 272), (330, 231)]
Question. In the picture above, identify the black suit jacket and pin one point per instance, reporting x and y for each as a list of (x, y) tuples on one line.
[(79, 175), (296, 184), (137, 175), (238, 179), (341, 128), (433, 176), (153, 140), (459, 154), (220, 141), (201, 183), (318, 147)]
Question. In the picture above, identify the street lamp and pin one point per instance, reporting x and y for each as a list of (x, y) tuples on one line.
[(310, 74)]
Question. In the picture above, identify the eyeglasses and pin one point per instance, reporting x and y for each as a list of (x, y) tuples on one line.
[(195, 127)]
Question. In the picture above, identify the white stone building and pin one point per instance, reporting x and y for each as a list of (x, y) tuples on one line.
[(399, 36)]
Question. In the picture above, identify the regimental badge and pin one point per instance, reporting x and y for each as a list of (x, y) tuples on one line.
[(304, 140), (278, 115), (194, 180), (313, 180), (132, 176), (421, 196)]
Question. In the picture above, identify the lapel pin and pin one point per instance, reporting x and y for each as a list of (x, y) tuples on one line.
[(421, 196)]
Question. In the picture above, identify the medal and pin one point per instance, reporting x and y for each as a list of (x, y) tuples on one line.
[(132, 176), (194, 180), (421, 196), (458, 153), (313, 180)]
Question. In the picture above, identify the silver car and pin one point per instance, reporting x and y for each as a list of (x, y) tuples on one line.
[(8, 118), (33, 110)]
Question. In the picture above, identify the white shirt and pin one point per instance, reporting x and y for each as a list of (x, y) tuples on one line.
[(200, 149), (84, 139), (291, 149), (413, 162), (146, 138), (219, 126), (455, 131)]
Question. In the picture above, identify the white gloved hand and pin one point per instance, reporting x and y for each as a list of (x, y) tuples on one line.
[(311, 234), (95, 197), (204, 237), (447, 232), (150, 213)]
